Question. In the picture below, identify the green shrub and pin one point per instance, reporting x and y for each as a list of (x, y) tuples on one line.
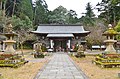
[(76, 47), (44, 49), (39, 56)]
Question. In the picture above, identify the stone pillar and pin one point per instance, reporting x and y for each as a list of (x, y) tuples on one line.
[(34, 46), (78, 40), (69, 44), (51, 43), (0, 46), (3, 46)]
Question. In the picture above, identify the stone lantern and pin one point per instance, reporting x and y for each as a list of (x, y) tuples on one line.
[(110, 34), (9, 41)]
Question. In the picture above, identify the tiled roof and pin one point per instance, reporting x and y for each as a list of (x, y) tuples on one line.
[(46, 29)]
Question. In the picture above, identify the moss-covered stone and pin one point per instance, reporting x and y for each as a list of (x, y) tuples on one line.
[(110, 31), (108, 60), (11, 60)]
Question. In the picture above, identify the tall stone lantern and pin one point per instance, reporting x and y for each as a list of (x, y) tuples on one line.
[(110, 34), (9, 41)]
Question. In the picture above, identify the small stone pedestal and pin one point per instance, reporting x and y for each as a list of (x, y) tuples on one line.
[(80, 51), (38, 51)]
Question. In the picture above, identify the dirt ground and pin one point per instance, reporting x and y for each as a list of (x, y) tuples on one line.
[(95, 72), (27, 71)]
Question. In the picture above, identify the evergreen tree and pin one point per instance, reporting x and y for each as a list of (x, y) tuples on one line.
[(72, 17), (58, 16), (27, 9), (41, 12), (109, 11), (89, 11), (18, 7), (89, 18), (12, 7), (2, 14), (61, 15)]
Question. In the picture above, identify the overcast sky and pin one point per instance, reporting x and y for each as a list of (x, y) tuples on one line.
[(77, 5)]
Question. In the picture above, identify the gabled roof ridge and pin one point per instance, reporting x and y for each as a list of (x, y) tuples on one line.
[(60, 25)]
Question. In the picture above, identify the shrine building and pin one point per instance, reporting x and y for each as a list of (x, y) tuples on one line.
[(61, 37)]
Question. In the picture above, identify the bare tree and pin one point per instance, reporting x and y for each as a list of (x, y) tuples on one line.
[(95, 36)]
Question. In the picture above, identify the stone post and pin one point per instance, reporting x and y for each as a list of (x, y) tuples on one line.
[(3, 46), (0, 46), (69, 44), (51, 43)]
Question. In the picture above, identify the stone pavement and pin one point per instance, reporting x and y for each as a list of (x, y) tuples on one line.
[(61, 66)]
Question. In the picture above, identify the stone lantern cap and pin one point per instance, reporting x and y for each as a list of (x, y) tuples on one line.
[(110, 31)]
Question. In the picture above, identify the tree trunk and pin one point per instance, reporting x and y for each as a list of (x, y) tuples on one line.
[(4, 9), (14, 7), (0, 5), (21, 46), (3, 14)]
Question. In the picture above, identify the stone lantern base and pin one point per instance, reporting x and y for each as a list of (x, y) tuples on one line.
[(9, 48), (110, 48)]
